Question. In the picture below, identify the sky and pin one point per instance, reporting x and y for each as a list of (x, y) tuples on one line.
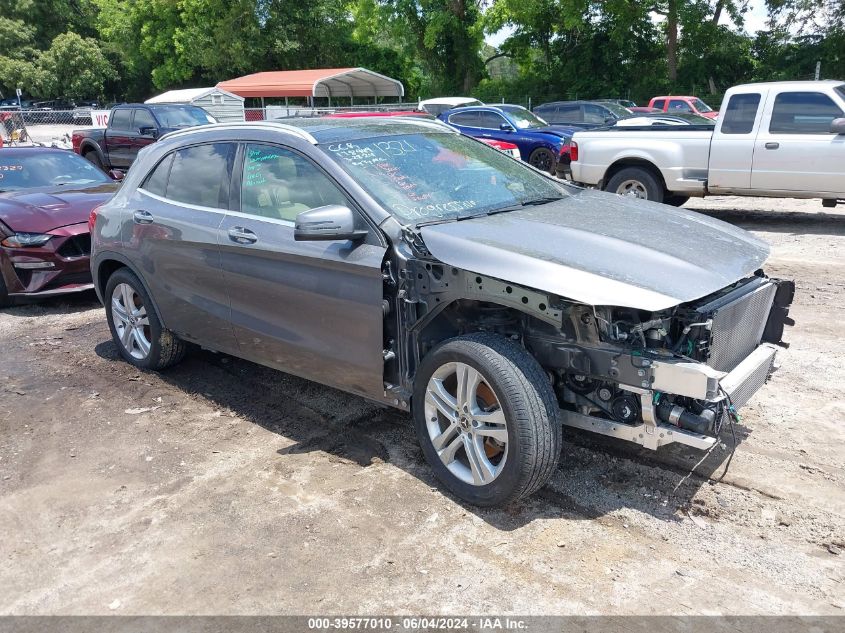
[(755, 20)]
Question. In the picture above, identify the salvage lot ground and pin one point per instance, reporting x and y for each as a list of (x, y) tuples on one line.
[(222, 487)]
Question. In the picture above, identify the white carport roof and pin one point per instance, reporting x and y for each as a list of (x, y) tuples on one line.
[(186, 95)]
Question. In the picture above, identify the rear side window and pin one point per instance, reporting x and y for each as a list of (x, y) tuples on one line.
[(569, 112), (156, 182), (659, 104), (200, 175), (464, 118), (490, 120), (803, 113), (120, 120), (739, 116)]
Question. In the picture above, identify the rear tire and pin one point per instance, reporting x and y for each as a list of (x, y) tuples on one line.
[(636, 182), (543, 159), (675, 201), (499, 438), (135, 328), (94, 158)]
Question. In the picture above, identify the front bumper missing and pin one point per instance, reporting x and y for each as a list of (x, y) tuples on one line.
[(698, 381)]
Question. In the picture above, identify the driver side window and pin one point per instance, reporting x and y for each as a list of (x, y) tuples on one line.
[(491, 120), (280, 184)]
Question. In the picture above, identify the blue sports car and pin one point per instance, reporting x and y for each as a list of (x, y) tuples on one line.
[(544, 146)]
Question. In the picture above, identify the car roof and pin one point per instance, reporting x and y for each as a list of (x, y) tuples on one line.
[(501, 108), (673, 97), (29, 151), (448, 100), (327, 130)]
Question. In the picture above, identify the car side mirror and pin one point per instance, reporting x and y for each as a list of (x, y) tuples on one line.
[(148, 130), (837, 126), (116, 174), (506, 127), (327, 223)]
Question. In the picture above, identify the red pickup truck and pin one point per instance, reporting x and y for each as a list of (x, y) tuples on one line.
[(683, 104), (132, 127)]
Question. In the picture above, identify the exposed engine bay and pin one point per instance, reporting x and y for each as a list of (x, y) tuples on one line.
[(675, 375)]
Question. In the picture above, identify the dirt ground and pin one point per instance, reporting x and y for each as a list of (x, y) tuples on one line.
[(220, 487)]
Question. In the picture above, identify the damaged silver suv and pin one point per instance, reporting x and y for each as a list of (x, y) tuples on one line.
[(400, 261)]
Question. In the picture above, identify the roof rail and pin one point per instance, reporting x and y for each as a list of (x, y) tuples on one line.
[(272, 125)]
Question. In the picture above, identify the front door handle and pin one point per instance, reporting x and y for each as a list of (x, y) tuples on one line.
[(143, 217), (240, 235), (772, 145)]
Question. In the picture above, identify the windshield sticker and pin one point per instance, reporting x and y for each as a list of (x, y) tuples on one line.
[(437, 210)]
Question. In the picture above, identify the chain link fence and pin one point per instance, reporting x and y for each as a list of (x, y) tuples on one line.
[(48, 127)]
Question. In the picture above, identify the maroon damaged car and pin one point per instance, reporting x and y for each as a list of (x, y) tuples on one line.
[(46, 196)]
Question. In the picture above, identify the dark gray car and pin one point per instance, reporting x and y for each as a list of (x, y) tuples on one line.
[(401, 261)]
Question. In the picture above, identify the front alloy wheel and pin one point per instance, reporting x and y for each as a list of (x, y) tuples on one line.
[(487, 418), (466, 424)]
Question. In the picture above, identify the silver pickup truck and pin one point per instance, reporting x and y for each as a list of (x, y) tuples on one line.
[(781, 139)]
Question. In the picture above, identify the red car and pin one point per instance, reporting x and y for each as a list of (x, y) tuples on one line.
[(46, 196), (676, 104)]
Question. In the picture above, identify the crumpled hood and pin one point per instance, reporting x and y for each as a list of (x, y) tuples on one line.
[(561, 131), (44, 209), (603, 249)]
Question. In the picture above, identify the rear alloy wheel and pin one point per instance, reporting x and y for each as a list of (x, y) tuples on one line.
[(487, 419), (543, 159), (636, 182), (135, 328)]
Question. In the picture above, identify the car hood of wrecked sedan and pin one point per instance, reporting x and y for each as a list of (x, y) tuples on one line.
[(602, 249)]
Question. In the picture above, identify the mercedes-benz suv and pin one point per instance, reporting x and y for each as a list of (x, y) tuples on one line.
[(401, 261)]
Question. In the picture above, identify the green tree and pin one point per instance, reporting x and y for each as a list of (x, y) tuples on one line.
[(73, 67)]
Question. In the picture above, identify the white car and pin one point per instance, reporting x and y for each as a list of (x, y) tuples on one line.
[(779, 139), (435, 106)]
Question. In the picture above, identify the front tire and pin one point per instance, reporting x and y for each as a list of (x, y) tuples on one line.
[(543, 159), (135, 328), (636, 182), (487, 419)]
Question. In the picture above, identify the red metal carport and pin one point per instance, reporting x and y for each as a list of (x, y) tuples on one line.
[(322, 82)]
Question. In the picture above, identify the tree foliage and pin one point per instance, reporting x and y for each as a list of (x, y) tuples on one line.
[(555, 49)]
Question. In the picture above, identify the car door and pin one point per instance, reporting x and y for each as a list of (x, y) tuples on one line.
[(796, 151), (310, 308), (175, 218), (490, 126), (117, 137), (734, 139), (140, 135)]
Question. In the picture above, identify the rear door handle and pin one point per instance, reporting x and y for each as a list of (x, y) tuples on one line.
[(143, 217), (241, 235), (772, 145)]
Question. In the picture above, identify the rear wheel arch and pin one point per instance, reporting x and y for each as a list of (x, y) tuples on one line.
[(642, 163), (108, 265)]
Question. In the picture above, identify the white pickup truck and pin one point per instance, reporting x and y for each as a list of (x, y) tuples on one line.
[(781, 139)]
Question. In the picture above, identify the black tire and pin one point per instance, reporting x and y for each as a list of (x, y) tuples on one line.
[(829, 203), (543, 159), (675, 201), (93, 157), (534, 430), (5, 301), (165, 349), (643, 181)]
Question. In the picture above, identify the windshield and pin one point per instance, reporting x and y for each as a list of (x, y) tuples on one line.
[(524, 119), (46, 169), (620, 111), (182, 116), (701, 106), (429, 177)]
